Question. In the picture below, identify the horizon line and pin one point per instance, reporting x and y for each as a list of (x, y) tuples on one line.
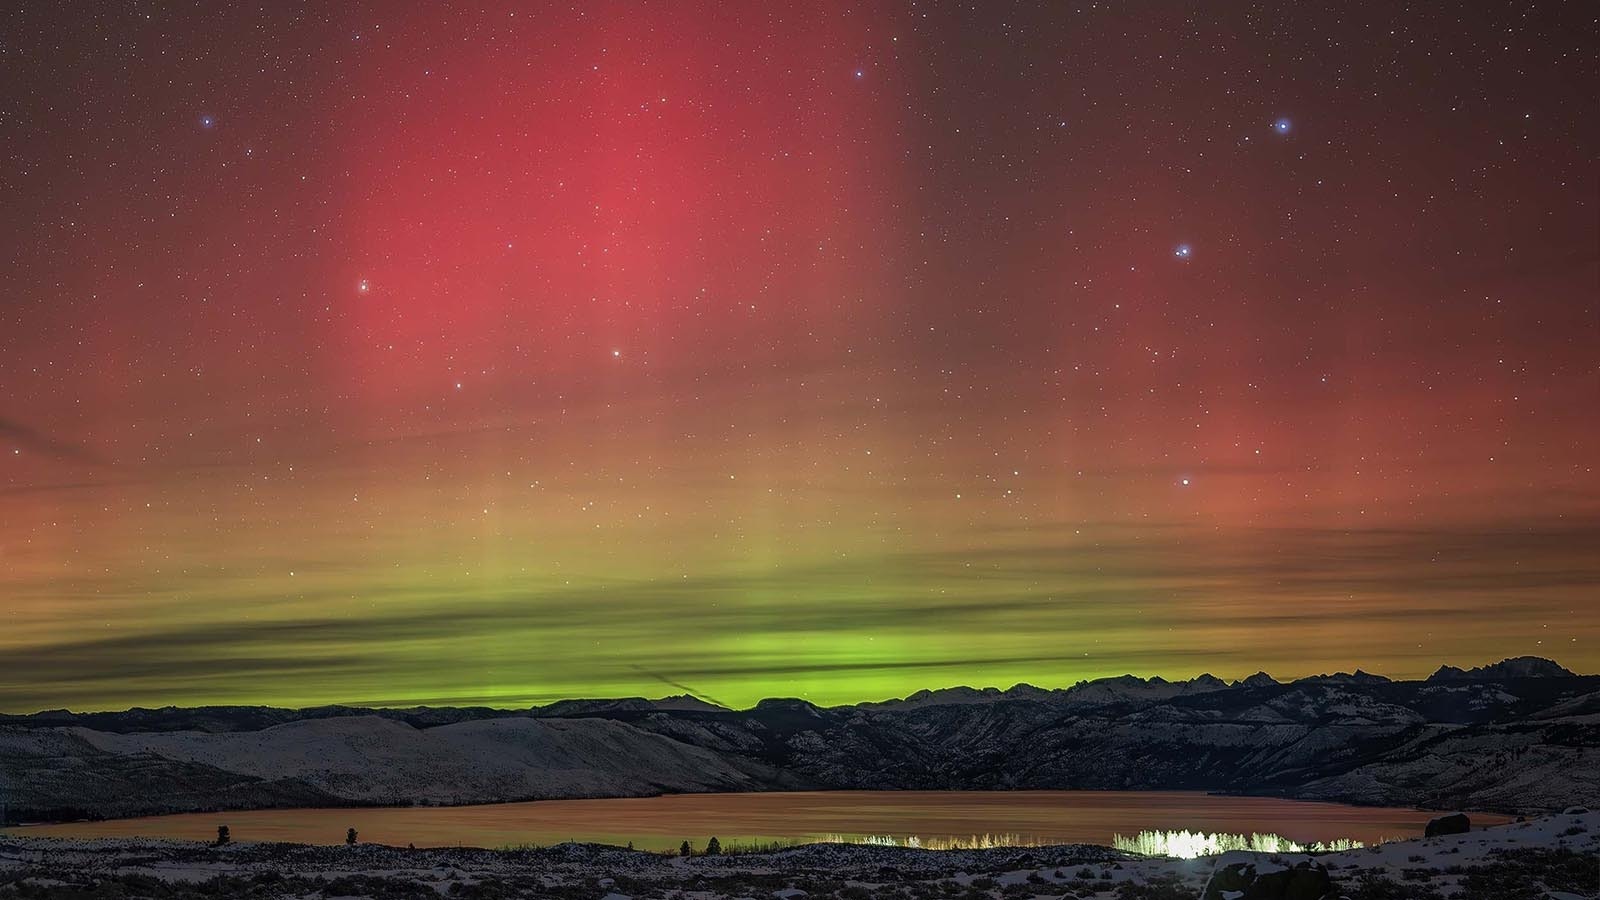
[(468, 702)]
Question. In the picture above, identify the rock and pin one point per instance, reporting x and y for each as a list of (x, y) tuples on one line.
[(1227, 882), (1456, 824), (1305, 880), (788, 894)]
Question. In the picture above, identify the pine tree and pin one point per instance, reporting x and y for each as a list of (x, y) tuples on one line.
[(350, 837), (713, 847), (223, 836), (686, 850)]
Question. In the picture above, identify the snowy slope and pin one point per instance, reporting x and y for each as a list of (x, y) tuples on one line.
[(370, 759)]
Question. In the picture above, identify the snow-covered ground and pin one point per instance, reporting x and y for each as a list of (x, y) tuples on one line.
[(1554, 857)]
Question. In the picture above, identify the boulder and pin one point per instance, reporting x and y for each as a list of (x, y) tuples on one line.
[(1456, 824), (1305, 880)]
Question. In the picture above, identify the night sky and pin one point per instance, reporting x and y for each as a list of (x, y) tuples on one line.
[(379, 353)]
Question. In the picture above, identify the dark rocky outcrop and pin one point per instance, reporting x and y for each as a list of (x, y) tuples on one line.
[(1452, 824), (1304, 880)]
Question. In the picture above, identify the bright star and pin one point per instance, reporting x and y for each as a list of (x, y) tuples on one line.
[(616, 354), (1282, 125), (1182, 251), (207, 121), (363, 286), (1185, 482)]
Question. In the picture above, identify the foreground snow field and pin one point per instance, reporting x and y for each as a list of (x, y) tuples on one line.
[(1553, 857)]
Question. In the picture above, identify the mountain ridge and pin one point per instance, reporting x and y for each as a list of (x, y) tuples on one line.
[(1519, 667), (1515, 743), (1513, 667)]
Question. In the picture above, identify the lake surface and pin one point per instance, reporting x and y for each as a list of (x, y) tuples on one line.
[(659, 823)]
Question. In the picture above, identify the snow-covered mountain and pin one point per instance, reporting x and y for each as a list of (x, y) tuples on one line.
[(1517, 736)]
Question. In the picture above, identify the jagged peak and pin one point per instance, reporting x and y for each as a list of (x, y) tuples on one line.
[(1513, 667), (1356, 677)]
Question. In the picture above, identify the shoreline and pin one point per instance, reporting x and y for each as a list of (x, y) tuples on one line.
[(1559, 851), (911, 818)]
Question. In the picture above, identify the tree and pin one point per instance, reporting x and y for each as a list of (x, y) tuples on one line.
[(350, 837), (223, 836), (686, 849), (713, 847)]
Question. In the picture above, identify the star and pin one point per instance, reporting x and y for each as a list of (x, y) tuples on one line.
[(207, 122), (1182, 251), (363, 286), (1282, 125)]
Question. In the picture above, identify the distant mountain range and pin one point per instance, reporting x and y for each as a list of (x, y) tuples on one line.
[(1522, 735)]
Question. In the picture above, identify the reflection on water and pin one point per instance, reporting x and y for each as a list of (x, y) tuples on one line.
[(942, 842), (662, 823), (1192, 844)]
